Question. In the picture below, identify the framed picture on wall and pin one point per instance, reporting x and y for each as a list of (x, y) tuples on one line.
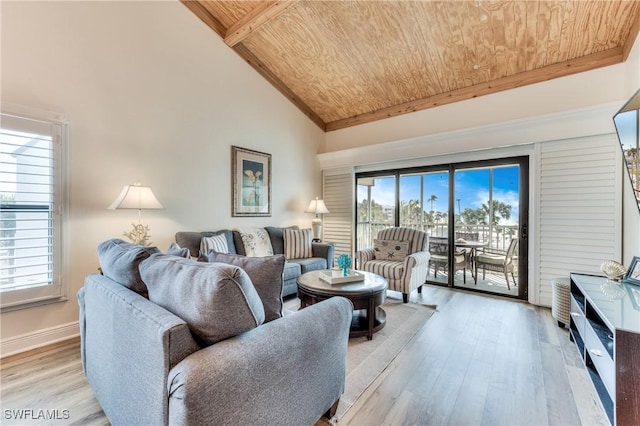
[(251, 182)]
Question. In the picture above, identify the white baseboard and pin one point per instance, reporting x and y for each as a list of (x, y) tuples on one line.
[(37, 339)]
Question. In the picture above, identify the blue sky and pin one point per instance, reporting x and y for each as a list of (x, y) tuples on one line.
[(472, 188)]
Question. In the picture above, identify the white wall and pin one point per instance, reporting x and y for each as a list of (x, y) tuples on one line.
[(151, 94)]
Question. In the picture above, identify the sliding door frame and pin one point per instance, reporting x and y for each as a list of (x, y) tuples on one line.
[(451, 168)]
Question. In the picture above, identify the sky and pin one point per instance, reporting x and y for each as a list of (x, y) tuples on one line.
[(472, 189)]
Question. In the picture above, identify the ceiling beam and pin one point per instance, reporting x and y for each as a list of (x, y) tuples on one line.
[(263, 13), (562, 69), (278, 84), (201, 12)]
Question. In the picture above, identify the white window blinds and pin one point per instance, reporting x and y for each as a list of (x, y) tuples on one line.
[(30, 210), (338, 195)]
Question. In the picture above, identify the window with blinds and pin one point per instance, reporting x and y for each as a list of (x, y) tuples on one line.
[(30, 211)]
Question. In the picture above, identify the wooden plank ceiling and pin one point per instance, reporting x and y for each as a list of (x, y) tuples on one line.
[(350, 62)]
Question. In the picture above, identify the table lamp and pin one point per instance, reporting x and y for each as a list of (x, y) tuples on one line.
[(316, 207), (137, 197)]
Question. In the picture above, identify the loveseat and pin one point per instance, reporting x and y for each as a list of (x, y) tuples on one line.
[(198, 350), (321, 257)]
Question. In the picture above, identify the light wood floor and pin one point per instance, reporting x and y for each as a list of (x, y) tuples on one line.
[(478, 360)]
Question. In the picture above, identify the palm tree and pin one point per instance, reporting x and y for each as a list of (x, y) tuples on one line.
[(431, 199)]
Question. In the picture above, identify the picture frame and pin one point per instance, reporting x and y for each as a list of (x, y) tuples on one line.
[(251, 183), (633, 273)]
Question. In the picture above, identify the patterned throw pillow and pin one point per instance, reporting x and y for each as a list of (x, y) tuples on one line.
[(391, 250), (297, 243), (217, 243), (256, 242)]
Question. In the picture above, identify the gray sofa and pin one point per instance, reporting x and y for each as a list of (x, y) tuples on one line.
[(322, 257), (149, 366)]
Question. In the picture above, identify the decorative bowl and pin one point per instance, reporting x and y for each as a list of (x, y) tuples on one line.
[(612, 269)]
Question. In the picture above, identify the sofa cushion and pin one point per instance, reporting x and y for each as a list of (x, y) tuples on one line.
[(297, 243), (191, 240), (217, 243), (291, 270), (216, 300), (311, 264), (266, 275), (255, 241), (119, 261), (276, 235), (391, 249)]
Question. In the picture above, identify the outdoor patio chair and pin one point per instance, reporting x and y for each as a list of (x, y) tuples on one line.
[(497, 260), (439, 249)]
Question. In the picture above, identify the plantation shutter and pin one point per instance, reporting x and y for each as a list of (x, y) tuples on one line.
[(338, 195), (30, 210), (580, 208)]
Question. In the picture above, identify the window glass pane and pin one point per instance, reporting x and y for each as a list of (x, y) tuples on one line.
[(375, 208), (26, 203)]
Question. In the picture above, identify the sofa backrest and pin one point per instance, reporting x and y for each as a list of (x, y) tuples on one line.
[(191, 240), (276, 235)]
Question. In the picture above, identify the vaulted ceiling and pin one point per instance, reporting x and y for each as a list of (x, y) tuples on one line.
[(350, 62)]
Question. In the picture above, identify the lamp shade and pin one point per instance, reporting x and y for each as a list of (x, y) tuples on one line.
[(317, 207), (136, 197)]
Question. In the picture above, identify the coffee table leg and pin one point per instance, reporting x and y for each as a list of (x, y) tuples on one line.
[(371, 315)]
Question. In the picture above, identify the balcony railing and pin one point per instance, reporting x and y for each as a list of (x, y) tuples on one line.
[(496, 236)]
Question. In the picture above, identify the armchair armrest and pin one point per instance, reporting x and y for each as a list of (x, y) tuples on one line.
[(365, 255), (324, 250), (288, 371), (420, 258)]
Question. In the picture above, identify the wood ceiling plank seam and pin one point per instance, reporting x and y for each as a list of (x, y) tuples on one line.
[(601, 59), (531, 34), (583, 36), (633, 31), (470, 52), (447, 79), (542, 33), (494, 41), (520, 37), (205, 16), (266, 11), (429, 70), (252, 60), (606, 34), (483, 42), (565, 30), (556, 19)]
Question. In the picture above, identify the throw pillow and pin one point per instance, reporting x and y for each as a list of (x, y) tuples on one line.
[(216, 300), (297, 243), (175, 250), (266, 276), (119, 261), (217, 243), (256, 242), (391, 249)]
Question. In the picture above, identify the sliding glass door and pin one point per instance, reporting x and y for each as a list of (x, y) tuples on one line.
[(474, 213), (488, 221)]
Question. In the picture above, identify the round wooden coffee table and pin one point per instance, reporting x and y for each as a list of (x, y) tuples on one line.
[(366, 296)]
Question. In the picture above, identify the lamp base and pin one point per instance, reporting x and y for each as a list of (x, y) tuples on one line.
[(316, 227), (139, 235)]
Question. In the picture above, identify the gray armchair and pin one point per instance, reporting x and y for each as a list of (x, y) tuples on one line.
[(403, 275)]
